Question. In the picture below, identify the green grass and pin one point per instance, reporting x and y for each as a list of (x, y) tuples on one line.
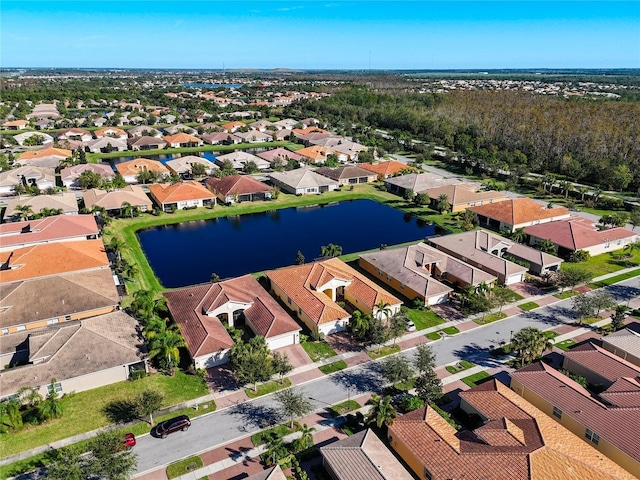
[(183, 467), (278, 431), (384, 351), (528, 306), (344, 407), (490, 318), (405, 386), (565, 344), (566, 294), (515, 296), (447, 331), (590, 320), (333, 367), (607, 263), (267, 388), (424, 318), (550, 334), (84, 411), (618, 278), (475, 379), (463, 363), (318, 350)]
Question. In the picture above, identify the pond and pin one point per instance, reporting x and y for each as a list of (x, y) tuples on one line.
[(164, 158), (188, 253)]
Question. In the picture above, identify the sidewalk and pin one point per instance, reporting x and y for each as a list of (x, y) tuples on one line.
[(407, 341)]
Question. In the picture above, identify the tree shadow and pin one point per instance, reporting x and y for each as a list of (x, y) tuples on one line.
[(236, 454), (474, 353), (554, 316), (120, 411), (622, 293), (367, 379), (254, 416)]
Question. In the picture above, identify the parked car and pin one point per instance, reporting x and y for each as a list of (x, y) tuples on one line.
[(411, 327), (129, 441), (173, 425)]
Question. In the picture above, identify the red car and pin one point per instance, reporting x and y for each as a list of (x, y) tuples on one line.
[(129, 441)]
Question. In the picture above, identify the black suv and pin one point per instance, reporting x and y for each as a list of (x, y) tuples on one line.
[(173, 425)]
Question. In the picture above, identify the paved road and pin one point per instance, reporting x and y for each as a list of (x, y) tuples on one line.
[(233, 423)]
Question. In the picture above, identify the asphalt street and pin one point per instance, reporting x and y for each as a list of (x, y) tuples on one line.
[(233, 423)]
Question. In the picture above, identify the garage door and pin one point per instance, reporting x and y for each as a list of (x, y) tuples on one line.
[(284, 341)]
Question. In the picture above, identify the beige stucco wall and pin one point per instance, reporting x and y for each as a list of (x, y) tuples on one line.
[(53, 321)]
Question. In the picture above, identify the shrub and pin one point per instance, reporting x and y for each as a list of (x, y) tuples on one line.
[(410, 403)]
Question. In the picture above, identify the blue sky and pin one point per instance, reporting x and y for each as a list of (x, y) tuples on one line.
[(320, 34)]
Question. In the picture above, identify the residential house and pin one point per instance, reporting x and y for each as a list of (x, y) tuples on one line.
[(625, 343), (281, 154), (285, 124), (221, 138), (99, 122), (422, 272), (239, 160), (21, 138), (183, 140), (261, 125), (517, 213), (146, 143), (483, 251), (608, 421), (461, 196), (180, 128), (181, 195), (59, 228), (281, 135), (107, 145), (15, 125), (233, 127), (579, 233), (271, 473), (315, 154), (112, 132), (385, 169), (345, 149), (132, 168), (302, 181), (112, 201), (70, 175), (362, 456), (202, 312), (416, 183), (348, 174), (144, 131), (515, 441), (182, 165), (254, 136), (307, 130), (47, 157), (239, 188), (75, 134), (44, 110), (312, 292), (43, 178), (80, 355), (65, 202)]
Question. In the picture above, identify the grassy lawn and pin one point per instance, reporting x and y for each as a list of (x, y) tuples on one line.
[(463, 364), (528, 306), (333, 367), (278, 431), (318, 350), (618, 278), (268, 387), (183, 467), (344, 407), (566, 294), (607, 263), (492, 317), (476, 379), (84, 411), (446, 331), (424, 318), (384, 351), (565, 344), (550, 334), (591, 320), (405, 386)]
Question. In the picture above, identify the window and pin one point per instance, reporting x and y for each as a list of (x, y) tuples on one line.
[(67, 318), (402, 286), (557, 413), (427, 474), (592, 436), (289, 300), (56, 386)]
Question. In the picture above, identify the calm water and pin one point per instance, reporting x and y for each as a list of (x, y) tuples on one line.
[(162, 158), (188, 253)]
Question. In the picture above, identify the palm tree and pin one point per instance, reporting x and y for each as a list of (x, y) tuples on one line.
[(166, 346), (11, 409), (442, 203), (547, 246), (519, 235), (143, 304), (116, 245), (50, 407), (632, 248), (306, 437), (529, 344), (130, 271), (381, 411), (25, 211), (582, 190), (382, 310), (126, 210)]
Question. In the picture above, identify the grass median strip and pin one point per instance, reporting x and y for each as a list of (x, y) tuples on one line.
[(266, 388), (183, 467), (492, 317), (333, 367), (273, 433), (318, 350), (565, 344), (461, 366), (384, 351), (344, 407), (565, 295), (442, 333), (476, 379), (618, 278), (528, 306)]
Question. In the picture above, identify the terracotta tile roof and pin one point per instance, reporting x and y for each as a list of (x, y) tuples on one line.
[(15, 123), (315, 153), (232, 125), (577, 233), (602, 362), (623, 393), (190, 307), (370, 457), (179, 192), (240, 184), (181, 137), (52, 259), (45, 152), (303, 284), (47, 229), (618, 426), (517, 441), (137, 165), (271, 473), (519, 210), (385, 169), (308, 130), (108, 131)]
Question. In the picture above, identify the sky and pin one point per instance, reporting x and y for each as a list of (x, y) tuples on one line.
[(320, 34)]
